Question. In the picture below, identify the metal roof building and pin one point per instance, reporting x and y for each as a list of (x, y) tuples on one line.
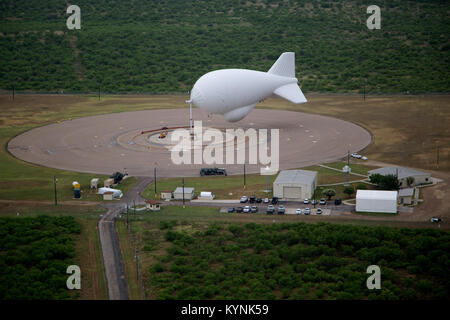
[(295, 184), (376, 201), (403, 174), (188, 193)]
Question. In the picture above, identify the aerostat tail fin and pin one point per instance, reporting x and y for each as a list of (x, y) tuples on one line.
[(291, 92), (284, 66)]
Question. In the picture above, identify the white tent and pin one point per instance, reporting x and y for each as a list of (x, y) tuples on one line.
[(376, 201), (116, 193)]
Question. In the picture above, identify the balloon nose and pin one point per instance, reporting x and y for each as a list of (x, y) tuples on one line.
[(196, 96)]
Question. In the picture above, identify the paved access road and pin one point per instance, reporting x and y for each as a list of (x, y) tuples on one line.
[(109, 241)]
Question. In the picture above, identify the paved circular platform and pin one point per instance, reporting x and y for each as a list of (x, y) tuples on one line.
[(108, 143)]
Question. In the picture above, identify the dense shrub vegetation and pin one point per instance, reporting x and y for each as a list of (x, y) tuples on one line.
[(297, 261), (34, 256), (161, 46)]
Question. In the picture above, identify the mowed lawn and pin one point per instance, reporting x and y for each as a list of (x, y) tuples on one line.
[(232, 187)]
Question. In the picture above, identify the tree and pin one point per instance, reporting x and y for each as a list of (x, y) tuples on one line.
[(349, 191), (375, 178), (329, 193), (389, 182)]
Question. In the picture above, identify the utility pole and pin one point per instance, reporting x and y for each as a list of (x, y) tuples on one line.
[(183, 194), (154, 174), (134, 207), (244, 177), (98, 92), (348, 168), (127, 214), (56, 196), (437, 156)]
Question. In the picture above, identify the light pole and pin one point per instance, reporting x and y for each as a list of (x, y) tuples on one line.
[(154, 173), (244, 177), (56, 196), (183, 194)]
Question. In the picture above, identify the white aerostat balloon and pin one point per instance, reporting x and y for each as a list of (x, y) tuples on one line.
[(234, 92)]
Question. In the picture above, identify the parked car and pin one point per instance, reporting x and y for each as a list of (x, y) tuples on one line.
[(258, 200), (314, 201), (435, 220), (213, 172), (274, 200), (298, 211), (231, 210), (364, 158), (356, 155), (254, 209), (246, 209), (270, 209), (266, 200), (281, 210), (239, 209), (307, 211), (323, 201), (252, 198), (337, 202), (244, 199), (319, 211), (306, 201)]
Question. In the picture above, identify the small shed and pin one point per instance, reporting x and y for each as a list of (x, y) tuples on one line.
[(166, 194), (153, 205), (188, 193), (109, 195), (405, 196), (206, 195)]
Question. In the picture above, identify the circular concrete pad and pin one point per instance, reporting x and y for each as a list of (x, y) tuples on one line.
[(107, 143)]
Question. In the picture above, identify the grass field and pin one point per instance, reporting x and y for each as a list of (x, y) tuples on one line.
[(129, 261), (232, 187)]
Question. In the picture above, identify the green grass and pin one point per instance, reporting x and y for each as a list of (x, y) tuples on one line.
[(129, 261), (356, 167), (222, 186)]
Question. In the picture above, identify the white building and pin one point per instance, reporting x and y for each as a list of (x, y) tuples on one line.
[(188, 193), (403, 174), (376, 201), (295, 184)]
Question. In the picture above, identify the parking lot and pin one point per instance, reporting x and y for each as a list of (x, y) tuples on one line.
[(289, 209)]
